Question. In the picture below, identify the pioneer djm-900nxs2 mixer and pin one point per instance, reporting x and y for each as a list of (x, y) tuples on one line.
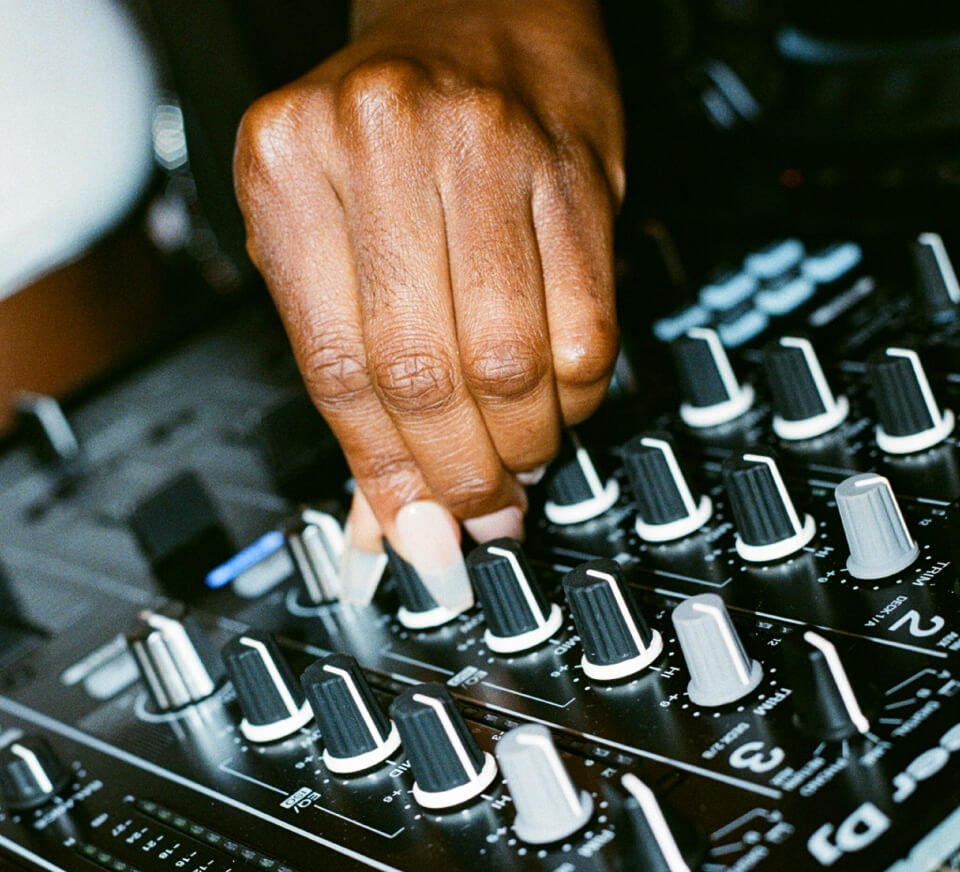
[(730, 640)]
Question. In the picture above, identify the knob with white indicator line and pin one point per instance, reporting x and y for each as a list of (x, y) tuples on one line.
[(663, 841), (667, 508), (448, 766), (909, 417), (826, 707), (518, 615), (617, 642), (357, 735), (804, 407), (178, 662), (549, 808), (936, 278), (30, 773), (418, 609), (880, 543), (576, 492), (720, 670), (768, 525), (269, 694), (712, 394)]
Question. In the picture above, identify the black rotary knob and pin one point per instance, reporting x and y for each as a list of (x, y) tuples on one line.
[(663, 841), (617, 642), (448, 766), (518, 615), (804, 407), (315, 544), (768, 525), (937, 280), (178, 662), (357, 735), (418, 609), (909, 418), (269, 694), (826, 707), (30, 773), (667, 507), (712, 394), (576, 492)]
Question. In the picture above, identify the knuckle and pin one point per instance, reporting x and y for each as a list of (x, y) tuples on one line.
[(378, 99), (504, 369), (588, 357), (415, 380), (335, 374)]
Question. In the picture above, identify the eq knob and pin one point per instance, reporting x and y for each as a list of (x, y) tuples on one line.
[(549, 808), (937, 281), (518, 615), (315, 544), (30, 773), (909, 417), (176, 658), (448, 766), (712, 394), (617, 642), (768, 525), (357, 735), (576, 492), (269, 694), (825, 705), (880, 543), (720, 670), (663, 841), (804, 407), (667, 508), (418, 609)]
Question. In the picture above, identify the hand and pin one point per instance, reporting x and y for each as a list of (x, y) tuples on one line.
[(432, 209)]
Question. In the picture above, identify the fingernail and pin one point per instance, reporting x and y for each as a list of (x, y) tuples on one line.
[(496, 525), (363, 561), (428, 540), (360, 573), (533, 476)]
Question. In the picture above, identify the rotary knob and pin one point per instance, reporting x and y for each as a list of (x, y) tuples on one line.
[(667, 508), (518, 615), (269, 694), (418, 609), (880, 543), (356, 733), (712, 394), (176, 658), (663, 841), (315, 544), (804, 407), (768, 525), (909, 417), (448, 766), (936, 278), (30, 773), (549, 808), (576, 492), (720, 670), (617, 642), (826, 707)]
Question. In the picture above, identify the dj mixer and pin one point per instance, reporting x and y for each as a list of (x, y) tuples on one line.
[(730, 639)]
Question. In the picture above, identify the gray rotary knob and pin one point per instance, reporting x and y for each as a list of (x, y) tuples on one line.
[(178, 662), (30, 773), (712, 394), (315, 543), (880, 543), (720, 670), (549, 808)]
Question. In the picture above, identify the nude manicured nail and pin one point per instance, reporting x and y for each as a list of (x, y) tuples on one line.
[(427, 538), (360, 573), (506, 522), (533, 476)]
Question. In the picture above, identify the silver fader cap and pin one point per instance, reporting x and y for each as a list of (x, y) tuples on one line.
[(720, 670), (880, 543), (548, 805)]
